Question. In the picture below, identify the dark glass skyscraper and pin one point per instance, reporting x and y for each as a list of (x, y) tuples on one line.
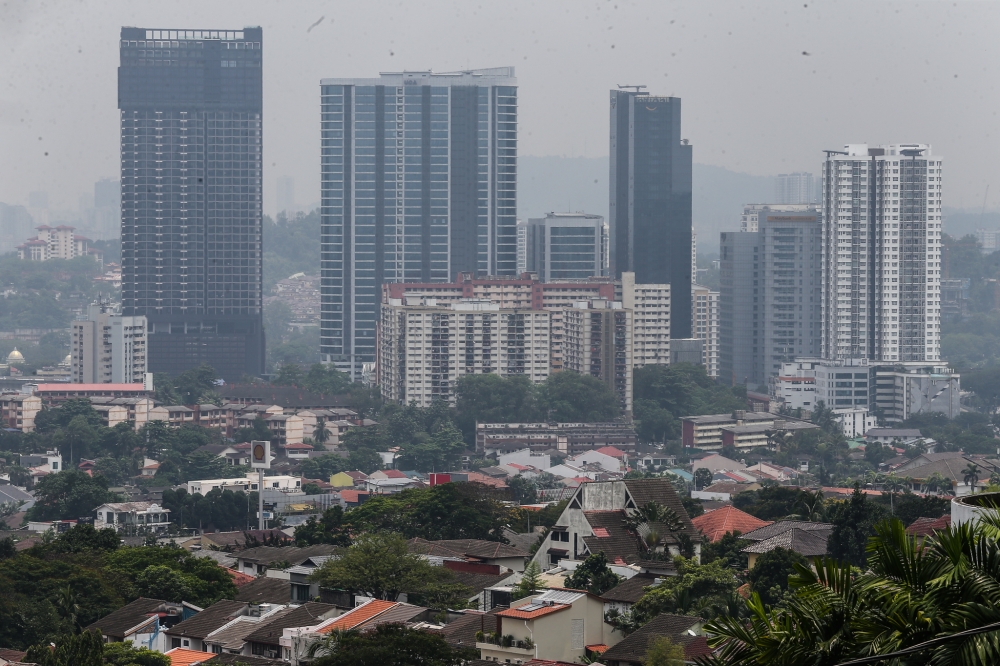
[(419, 176), (191, 103), (650, 211)]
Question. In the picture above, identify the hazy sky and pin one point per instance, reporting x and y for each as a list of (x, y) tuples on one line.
[(766, 85)]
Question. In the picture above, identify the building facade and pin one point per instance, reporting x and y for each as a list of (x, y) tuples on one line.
[(705, 326), (108, 348), (650, 197), (565, 246), (771, 289), (191, 177), (425, 347), (418, 177), (881, 209), (650, 306), (56, 243), (796, 188), (597, 341)]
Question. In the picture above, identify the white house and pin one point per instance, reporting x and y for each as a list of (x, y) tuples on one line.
[(132, 515)]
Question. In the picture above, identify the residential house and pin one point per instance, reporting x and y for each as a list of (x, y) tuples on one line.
[(924, 527), (230, 638), (719, 522), (724, 491), (593, 522), (266, 590), (952, 466), (716, 463), (132, 516), (805, 538), (191, 633), (472, 550), (141, 622), (557, 625), (255, 561), (348, 479), (186, 657), (683, 630), (624, 595), (606, 462), (891, 435), (266, 640), (525, 457), (296, 641)]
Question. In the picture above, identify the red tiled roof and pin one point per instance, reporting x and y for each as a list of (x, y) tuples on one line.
[(926, 526), (697, 648), (531, 615), (352, 496), (80, 388), (715, 524), (393, 474), (358, 616), (239, 578), (612, 451), (184, 657), (599, 648)]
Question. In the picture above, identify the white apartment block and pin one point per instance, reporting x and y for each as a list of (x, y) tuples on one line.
[(705, 325), (279, 482), (108, 348), (881, 210), (598, 341), (650, 307), (55, 243), (425, 347)]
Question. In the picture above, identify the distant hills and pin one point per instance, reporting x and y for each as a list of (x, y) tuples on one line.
[(581, 184)]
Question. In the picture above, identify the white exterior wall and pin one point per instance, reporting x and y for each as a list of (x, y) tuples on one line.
[(705, 303), (866, 239), (650, 306)]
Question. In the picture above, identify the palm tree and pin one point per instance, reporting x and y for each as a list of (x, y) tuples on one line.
[(893, 484), (650, 513), (321, 433), (67, 604), (971, 475), (916, 593), (874, 479), (936, 482), (811, 507)]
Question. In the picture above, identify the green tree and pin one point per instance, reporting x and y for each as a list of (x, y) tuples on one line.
[(665, 393), (531, 582), (326, 380), (811, 507), (330, 528), (69, 494), (386, 644), (437, 453), (696, 589), (726, 549), (321, 433), (769, 576), (593, 575), (970, 475), (702, 478), (664, 652), (125, 654), (522, 490), (378, 566), (86, 649), (915, 594), (572, 397), (491, 398), (161, 582), (853, 522), (143, 570)]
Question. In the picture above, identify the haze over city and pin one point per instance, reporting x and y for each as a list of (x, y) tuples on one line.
[(766, 86)]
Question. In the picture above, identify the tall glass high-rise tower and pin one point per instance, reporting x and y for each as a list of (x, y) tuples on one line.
[(419, 176), (191, 103), (650, 206)]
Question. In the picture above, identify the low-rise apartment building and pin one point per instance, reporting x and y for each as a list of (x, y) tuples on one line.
[(246, 484), (18, 411), (705, 432), (132, 516), (566, 438)]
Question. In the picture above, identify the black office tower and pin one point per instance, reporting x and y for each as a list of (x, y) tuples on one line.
[(191, 103), (650, 212)]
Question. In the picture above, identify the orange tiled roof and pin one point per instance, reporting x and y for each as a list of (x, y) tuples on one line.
[(599, 648), (184, 657), (715, 524), (359, 615), (926, 526), (531, 615), (239, 578)]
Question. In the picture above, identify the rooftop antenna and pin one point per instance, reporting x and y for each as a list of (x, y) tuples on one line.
[(638, 89)]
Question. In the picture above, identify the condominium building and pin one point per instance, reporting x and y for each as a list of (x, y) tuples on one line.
[(881, 210), (650, 307), (108, 347), (597, 341), (56, 243), (426, 346), (565, 246), (418, 177), (191, 179), (650, 197), (705, 326), (796, 188), (770, 295)]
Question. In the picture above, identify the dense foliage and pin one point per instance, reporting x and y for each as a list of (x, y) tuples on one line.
[(665, 393), (913, 592), (390, 644), (593, 575)]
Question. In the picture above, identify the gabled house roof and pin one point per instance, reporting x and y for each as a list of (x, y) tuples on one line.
[(358, 616), (474, 548), (781, 526), (661, 491), (308, 614), (202, 624), (631, 590), (715, 524), (291, 554), (632, 649), (610, 537), (118, 623), (807, 544), (927, 526), (185, 657), (462, 631), (266, 590)]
